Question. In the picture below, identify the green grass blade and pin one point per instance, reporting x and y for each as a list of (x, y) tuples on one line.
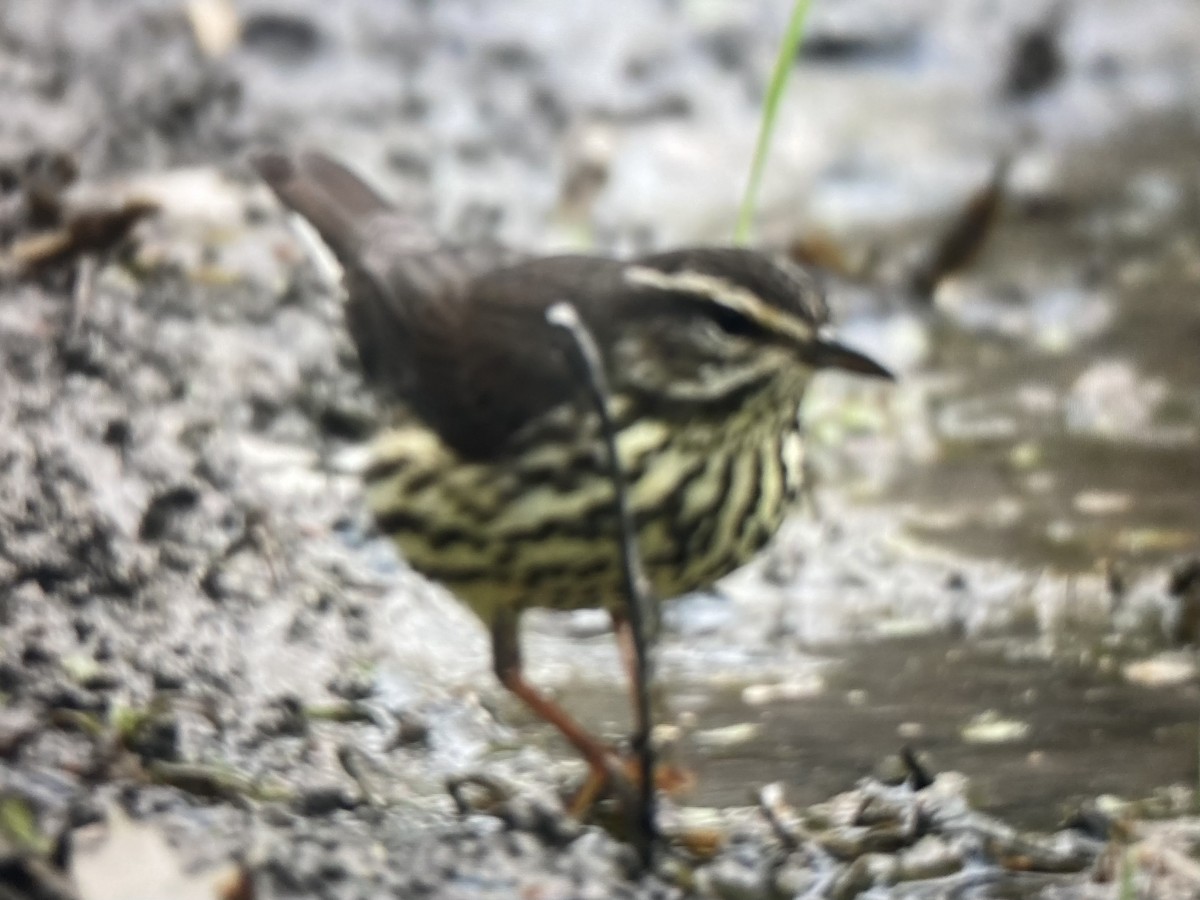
[(779, 78), (1126, 888)]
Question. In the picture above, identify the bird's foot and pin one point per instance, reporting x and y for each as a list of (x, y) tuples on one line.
[(621, 777)]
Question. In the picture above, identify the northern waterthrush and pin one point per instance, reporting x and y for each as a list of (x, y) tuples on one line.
[(491, 474)]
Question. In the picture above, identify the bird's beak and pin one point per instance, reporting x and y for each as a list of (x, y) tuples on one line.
[(819, 351), (825, 354)]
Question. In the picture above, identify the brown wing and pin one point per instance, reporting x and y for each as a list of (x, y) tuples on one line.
[(497, 364), (458, 333)]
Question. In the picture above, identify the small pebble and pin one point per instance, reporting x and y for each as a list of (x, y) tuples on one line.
[(321, 800), (991, 728), (1164, 670)]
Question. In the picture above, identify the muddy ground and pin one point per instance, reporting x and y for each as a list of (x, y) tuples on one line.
[(215, 672)]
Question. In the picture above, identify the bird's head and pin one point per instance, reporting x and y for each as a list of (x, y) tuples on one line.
[(717, 324)]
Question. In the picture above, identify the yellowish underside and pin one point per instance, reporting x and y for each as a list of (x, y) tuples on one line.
[(705, 501)]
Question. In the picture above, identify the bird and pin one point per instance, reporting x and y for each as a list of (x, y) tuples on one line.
[(490, 472)]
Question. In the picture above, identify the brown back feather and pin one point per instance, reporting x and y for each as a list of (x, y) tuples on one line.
[(458, 333)]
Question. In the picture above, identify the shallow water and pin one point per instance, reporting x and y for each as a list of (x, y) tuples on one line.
[(1087, 733), (1065, 389)]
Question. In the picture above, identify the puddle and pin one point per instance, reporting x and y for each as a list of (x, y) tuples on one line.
[(1032, 730), (1085, 733), (1063, 392)]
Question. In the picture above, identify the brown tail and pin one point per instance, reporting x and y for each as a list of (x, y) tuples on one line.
[(336, 201)]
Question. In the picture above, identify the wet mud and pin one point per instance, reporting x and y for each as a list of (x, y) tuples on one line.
[(212, 664)]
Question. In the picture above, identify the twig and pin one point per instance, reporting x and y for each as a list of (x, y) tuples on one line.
[(82, 296), (919, 775), (564, 315), (773, 808), (958, 245)]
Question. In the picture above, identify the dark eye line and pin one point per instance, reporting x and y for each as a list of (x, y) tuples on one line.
[(733, 322)]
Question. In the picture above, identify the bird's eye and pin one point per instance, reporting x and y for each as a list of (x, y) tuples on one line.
[(733, 322)]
